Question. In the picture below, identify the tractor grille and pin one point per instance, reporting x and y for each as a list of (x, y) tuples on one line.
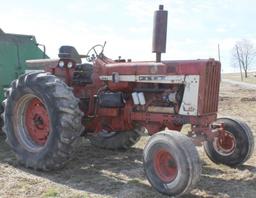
[(211, 92)]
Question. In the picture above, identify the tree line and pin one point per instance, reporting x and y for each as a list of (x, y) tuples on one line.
[(243, 56)]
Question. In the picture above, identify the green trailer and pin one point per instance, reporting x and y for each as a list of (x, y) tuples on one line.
[(15, 49)]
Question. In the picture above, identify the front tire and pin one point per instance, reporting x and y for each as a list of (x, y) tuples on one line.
[(235, 147), (42, 121), (171, 163)]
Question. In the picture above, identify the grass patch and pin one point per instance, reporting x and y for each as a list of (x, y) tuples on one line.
[(84, 195), (51, 192), (134, 181)]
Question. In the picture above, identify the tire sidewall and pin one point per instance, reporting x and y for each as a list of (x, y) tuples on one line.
[(241, 149), (180, 183)]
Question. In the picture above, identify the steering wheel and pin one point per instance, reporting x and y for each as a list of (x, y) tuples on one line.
[(95, 52)]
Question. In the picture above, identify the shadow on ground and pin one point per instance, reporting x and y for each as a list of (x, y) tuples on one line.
[(215, 184), (93, 170), (116, 173)]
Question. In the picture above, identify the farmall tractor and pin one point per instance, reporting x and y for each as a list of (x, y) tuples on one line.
[(113, 102)]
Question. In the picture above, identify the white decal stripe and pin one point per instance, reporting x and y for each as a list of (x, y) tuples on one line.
[(172, 79)]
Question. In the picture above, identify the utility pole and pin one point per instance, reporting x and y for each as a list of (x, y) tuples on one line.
[(238, 56), (219, 51), (219, 59)]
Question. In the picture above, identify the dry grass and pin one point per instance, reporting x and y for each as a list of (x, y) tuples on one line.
[(237, 77), (99, 173)]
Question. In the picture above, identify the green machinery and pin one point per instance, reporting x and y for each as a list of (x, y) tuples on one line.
[(15, 49)]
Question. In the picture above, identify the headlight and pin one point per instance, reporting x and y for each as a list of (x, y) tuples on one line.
[(61, 64), (69, 65)]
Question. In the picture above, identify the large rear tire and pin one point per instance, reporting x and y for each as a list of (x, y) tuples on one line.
[(116, 140), (171, 163), (235, 147), (42, 121), (1, 118)]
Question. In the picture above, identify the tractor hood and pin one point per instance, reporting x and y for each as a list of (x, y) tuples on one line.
[(161, 68)]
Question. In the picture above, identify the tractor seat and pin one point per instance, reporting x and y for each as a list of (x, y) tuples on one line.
[(69, 52)]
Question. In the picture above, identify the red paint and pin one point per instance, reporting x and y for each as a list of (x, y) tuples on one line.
[(123, 119), (37, 121), (127, 86), (112, 112), (226, 141), (165, 165)]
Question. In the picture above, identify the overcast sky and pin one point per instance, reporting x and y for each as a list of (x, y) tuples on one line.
[(195, 27)]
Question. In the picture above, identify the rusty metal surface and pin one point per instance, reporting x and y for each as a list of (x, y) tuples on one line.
[(159, 32), (211, 92)]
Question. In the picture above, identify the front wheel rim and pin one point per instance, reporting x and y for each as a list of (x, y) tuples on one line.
[(165, 166), (225, 144)]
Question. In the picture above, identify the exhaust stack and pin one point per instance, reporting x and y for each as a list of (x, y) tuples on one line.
[(159, 32)]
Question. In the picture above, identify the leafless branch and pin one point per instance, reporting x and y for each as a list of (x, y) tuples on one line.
[(243, 55)]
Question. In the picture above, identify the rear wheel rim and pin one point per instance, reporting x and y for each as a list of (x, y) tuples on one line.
[(225, 144), (37, 121), (32, 122), (165, 166)]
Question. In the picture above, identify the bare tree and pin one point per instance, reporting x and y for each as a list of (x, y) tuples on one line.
[(243, 55)]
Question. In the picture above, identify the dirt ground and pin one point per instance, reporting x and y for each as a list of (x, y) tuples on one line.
[(237, 77), (98, 173)]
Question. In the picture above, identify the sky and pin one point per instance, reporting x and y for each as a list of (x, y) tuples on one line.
[(195, 27)]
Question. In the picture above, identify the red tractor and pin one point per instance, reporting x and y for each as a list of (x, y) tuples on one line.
[(113, 102)]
